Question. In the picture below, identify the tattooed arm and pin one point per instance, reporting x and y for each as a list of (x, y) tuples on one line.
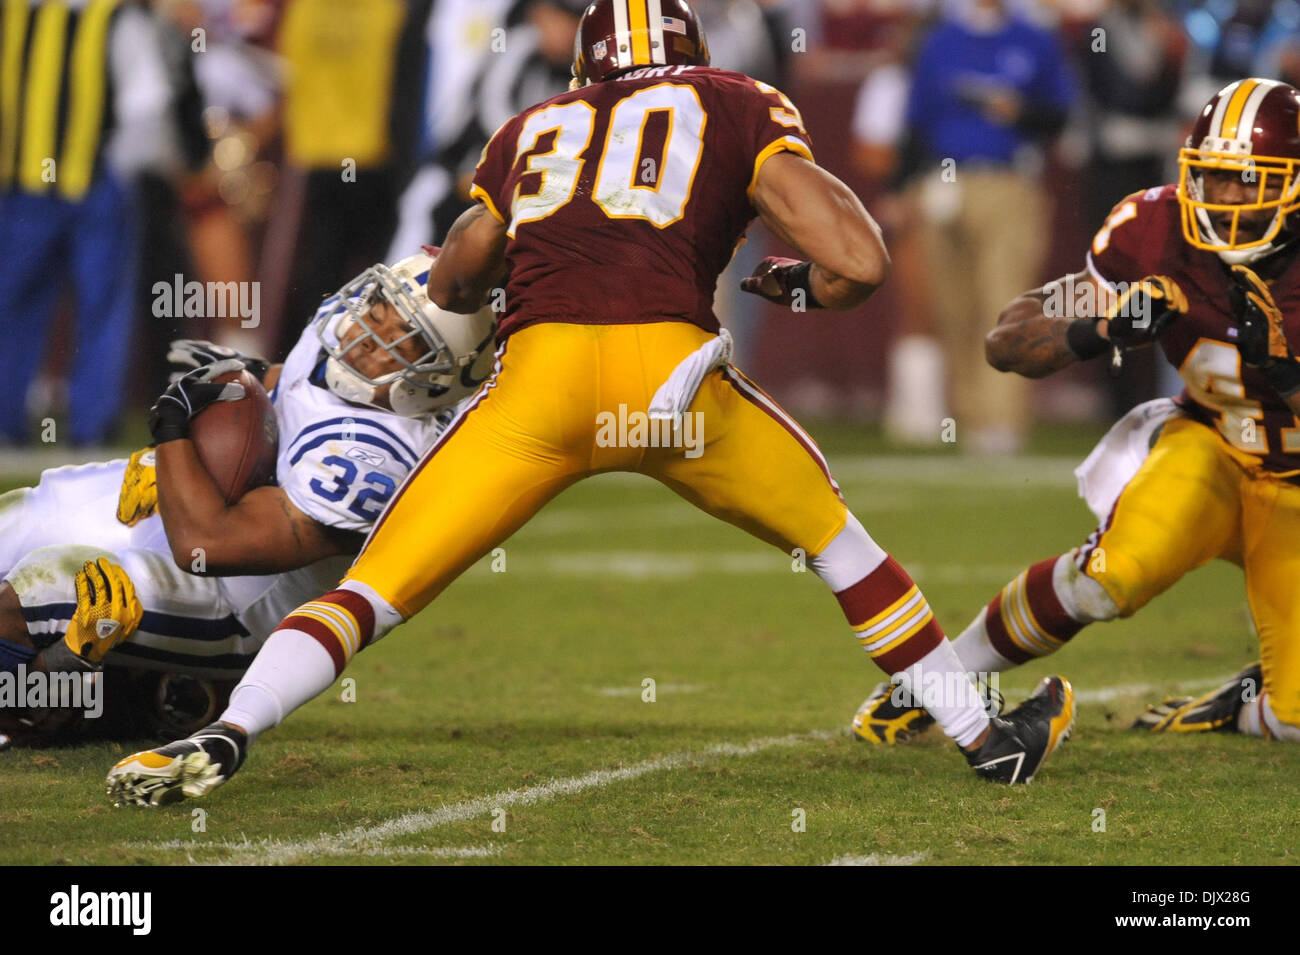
[(1031, 335), (471, 263)]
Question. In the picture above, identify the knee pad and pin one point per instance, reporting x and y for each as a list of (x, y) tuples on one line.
[(1083, 598)]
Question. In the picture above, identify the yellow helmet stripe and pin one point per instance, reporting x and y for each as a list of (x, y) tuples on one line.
[(1232, 115), (638, 22)]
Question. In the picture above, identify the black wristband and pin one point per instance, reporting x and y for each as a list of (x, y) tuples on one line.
[(168, 421), (800, 277), (1083, 339), (1284, 376)]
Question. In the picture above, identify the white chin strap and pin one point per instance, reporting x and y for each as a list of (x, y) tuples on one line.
[(346, 385), (406, 399), (410, 401)]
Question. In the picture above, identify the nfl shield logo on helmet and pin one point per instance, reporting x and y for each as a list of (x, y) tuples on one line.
[(598, 50)]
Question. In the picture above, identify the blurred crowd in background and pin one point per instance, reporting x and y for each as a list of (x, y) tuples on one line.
[(287, 144)]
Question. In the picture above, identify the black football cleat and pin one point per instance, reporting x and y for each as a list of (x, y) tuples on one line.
[(1216, 710), (889, 715), (881, 720), (1019, 742), (189, 767)]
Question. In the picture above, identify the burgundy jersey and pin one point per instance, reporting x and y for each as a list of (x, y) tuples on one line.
[(1142, 237), (626, 198)]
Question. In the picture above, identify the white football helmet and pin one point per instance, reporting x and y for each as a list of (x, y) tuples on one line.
[(455, 357)]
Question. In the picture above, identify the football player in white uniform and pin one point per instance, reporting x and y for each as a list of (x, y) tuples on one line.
[(141, 564)]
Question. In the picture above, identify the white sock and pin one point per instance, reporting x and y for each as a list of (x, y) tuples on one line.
[(290, 669), (1258, 711), (939, 682), (975, 650)]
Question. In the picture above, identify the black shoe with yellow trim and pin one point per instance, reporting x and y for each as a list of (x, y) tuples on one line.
[(1216, 710), (888, 715), (193, 766), (1019, 742), (882, 720)]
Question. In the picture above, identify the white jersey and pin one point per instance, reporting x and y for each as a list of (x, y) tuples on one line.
[(339, 464)]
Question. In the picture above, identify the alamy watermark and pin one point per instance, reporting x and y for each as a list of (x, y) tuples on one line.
[(181, 299), (636, 429), (37, 689), (1067, 298), (935, 688)]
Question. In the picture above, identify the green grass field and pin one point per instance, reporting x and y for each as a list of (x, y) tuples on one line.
[(506, 723)]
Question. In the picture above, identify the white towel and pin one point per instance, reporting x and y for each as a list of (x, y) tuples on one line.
[(1117, 456), (676, 394)]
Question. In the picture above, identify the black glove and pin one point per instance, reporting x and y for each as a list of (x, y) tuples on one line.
[(784, 281), (169, 418), (1261, 340), (1145, 309), (1140, 315), (186, 354)]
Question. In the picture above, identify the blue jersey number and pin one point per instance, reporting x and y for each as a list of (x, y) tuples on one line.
[(370, 500)]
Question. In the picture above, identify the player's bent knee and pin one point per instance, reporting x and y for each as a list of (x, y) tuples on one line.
[(1084, 598)]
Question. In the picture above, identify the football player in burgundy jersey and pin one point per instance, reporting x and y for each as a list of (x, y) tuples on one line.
[(1206, 267), (612, 209)]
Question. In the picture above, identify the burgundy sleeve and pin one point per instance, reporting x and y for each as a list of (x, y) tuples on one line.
[(494, 169)]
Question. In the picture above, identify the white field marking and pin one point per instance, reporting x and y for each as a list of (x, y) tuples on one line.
[(943, 469), (366, 838), (244, 845), (876, 859), (272, 852), (659, 688), (1106, 694), (675, 565)]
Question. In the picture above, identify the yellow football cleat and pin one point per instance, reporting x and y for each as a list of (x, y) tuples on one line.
[(1216, 710), (189, 767), (881, 720)]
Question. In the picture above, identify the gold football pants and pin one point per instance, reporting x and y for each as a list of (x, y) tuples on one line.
[(1194, 499), (568, 401)]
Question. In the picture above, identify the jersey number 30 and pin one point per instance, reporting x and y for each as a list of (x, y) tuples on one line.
[(629, 183)]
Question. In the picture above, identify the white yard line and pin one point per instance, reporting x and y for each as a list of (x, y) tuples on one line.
[(878, 859), (272, 852), (1106, 694), (369, 840), (676, 565)]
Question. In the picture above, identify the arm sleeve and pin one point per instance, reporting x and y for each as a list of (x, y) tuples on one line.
[(1115, 254), (494, 169), (771, 124)]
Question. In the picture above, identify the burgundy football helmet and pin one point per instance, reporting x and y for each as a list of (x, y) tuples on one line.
[(1251, 129), (617, 35)]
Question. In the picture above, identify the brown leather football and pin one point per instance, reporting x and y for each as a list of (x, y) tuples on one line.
[(237, 441)]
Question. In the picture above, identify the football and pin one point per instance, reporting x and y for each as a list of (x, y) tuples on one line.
[(237, 441)]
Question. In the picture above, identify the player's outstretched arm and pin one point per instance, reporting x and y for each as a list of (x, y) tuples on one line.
[(808, 208), (472, 261), (1033, 336), (261, 533)]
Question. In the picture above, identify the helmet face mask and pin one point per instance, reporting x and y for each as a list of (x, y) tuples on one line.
[(407, 376), (1270, 185), (1239, 173)]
